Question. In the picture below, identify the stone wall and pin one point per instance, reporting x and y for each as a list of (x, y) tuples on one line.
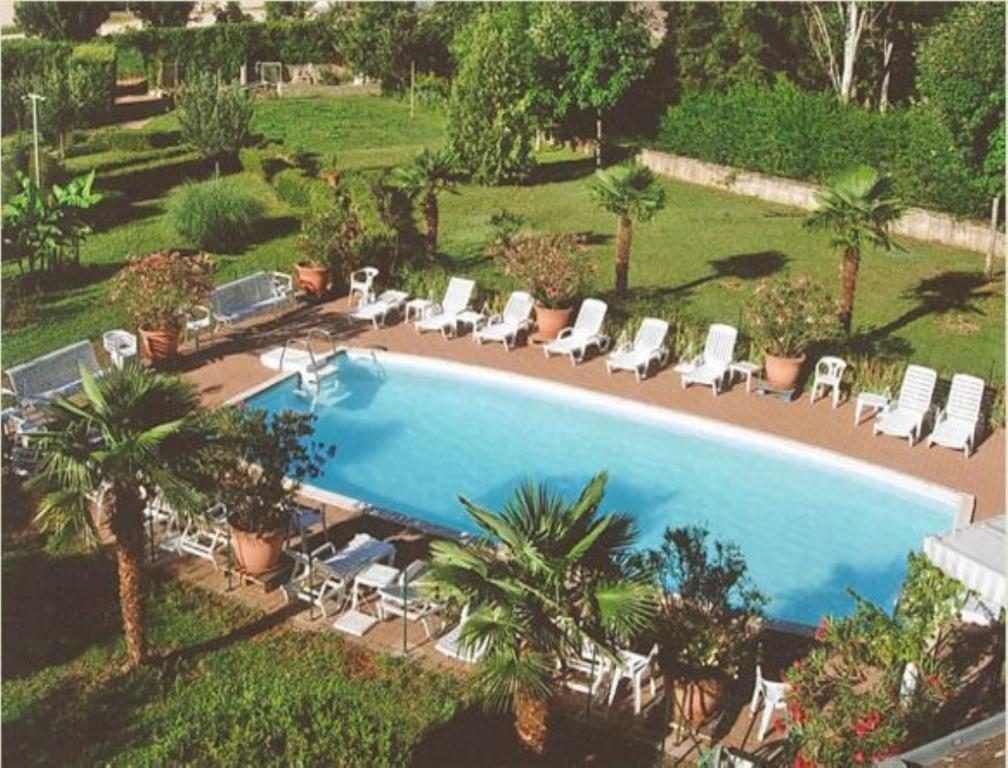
[(916, 223)]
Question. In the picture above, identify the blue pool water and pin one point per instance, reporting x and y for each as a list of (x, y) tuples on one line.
[(410, 439)]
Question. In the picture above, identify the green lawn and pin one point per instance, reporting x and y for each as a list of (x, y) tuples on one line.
[(700, 257)]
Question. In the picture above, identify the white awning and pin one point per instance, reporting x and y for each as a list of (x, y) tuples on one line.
[(974, 555)]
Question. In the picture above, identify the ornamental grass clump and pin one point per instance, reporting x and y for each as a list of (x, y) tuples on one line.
[(553, 268), (217, 215), (787, 316), (156, 290)]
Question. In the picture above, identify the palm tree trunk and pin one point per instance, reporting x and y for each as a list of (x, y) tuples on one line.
[(431, 217), (127, 525), (848, 284), (532, 723), (624, 234)]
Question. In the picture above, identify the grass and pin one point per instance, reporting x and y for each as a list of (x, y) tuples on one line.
[(701, 256)]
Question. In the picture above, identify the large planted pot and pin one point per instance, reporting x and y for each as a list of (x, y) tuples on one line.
[(257, 553), (159, 345), (312, 278), (696, 701), (551, 321), (784, 372)]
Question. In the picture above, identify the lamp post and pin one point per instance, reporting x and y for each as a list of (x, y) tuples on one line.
[(35, 98)]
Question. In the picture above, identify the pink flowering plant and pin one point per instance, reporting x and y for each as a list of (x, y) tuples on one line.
[(553, 268), (848, 704), (786, 316), (156, 290)]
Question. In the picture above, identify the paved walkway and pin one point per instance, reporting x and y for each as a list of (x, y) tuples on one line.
[(230, 365)]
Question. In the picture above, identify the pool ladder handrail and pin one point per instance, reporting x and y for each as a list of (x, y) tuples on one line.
[(311, 378)]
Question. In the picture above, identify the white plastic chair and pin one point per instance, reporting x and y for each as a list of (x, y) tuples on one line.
[(444, 316), (591, 669), (513, 321), (574, 341), (648, 347), (905, 417), (361, 284), (829, 373), (711, 367), (956, 425), (636, 669), (774, 697)]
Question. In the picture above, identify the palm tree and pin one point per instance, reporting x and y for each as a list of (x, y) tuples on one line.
[(630, 192), (547, 577), (427, 176), (858, 207), (130, 439)]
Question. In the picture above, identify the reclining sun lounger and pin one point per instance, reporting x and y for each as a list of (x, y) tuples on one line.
[(407, 598), (443, 317), (377, 311), (513, 321), (648, 347), (205, 535), (710, 367), (586, 332), (956, 426), (328, 572), (450, 643), (905, 417)]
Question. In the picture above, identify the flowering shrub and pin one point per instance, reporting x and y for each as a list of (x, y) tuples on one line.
[(550, 267), (788, 315), (156, 290), (331, 236), (848, 704)]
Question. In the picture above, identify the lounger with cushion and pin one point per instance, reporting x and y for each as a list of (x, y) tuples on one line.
[(956, 425), (444, 317), (515, 320), (905, 417), (648, 347), (53, 375), (586, 332), (378, 310), (711, 366), (250, 296), (328, 572)]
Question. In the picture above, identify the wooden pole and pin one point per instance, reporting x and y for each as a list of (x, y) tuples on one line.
[(992, 248), (412, 87)]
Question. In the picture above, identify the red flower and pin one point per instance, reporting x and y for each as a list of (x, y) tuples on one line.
[(800, 761), (822, 629), (779, 726), (859, 756)]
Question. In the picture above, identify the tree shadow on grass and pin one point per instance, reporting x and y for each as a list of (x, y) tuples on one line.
[(271, 228), (561, 170), (739, 266)]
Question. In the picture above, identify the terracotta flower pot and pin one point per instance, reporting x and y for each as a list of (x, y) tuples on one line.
[(312, 279), (257, 553), (159, 345), (697, 700), (784, 372), (551, 321)]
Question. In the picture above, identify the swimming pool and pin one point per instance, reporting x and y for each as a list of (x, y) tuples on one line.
[(412, 434)]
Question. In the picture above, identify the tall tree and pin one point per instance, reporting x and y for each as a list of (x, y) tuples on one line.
[(60, 20), (286, 9), (630, 192), (858, 207), (601, 49), (837, 32), (378, 42), (129, 441), (215, 120), (163, 14), (426, 177), (546, 578)]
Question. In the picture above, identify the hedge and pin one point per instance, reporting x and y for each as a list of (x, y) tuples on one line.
[(92, 80), (784, 131), (223, 48)]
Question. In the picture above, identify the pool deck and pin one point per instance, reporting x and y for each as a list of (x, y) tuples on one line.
[(229, 365)]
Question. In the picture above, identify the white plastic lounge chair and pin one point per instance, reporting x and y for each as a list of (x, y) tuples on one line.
[(361, 284), (407, 598), (711, 367), (205, 535), (590, 669), (53, 375), (251, 295), (444, 316), (507, 326), (586, 332), (635, 668), (828, 375), (377, 310), (648, 347), (905, 417), (450, 643), (774, 698), (956, 425), (329, 572)]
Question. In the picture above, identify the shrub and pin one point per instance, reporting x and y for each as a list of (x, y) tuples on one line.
[(294, 187), (217, 215), (26, 64), (787, 316), (331, 236), (215, 120), (552, 267), (92, 81), (784, 131), (156, 290)]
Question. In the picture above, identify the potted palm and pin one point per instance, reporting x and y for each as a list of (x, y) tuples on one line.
[(257, 465), (553, 269), (156, 290), (331, 237), (786, 317), (707, 621)]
